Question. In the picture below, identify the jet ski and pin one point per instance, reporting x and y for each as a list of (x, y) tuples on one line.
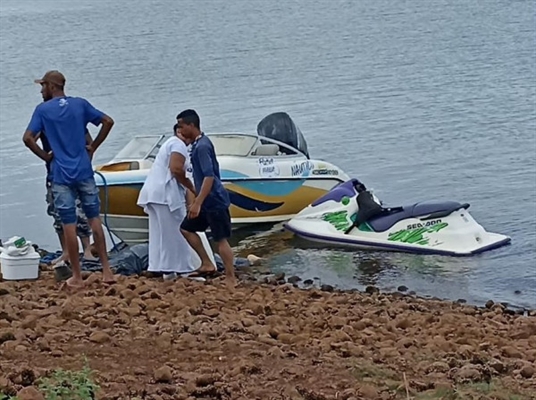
[(351, 215)]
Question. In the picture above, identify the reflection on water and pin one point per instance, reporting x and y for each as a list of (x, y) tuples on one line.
[(428, 275), (440, 276)]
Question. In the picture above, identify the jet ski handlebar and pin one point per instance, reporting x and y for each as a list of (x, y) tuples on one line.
[(358, 186)]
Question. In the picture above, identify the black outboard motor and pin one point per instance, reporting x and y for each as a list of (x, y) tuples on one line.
[(281, 127)]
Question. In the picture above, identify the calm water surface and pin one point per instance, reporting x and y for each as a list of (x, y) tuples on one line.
[(419, 100)]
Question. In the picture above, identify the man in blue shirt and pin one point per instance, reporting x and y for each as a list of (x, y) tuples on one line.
[(210, 207), (64, 119)]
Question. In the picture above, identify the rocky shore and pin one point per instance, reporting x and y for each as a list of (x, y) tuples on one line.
[(147, 339)]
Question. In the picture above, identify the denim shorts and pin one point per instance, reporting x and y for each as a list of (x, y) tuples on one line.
[(82, 226), (65, 197)]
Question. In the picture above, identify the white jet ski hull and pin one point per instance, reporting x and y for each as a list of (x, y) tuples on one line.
[(445, 228)]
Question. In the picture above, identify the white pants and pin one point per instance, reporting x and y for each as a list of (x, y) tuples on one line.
[(168, 249)]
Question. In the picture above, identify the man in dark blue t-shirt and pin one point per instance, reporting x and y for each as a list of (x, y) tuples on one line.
[(64, 119), (211, 205)]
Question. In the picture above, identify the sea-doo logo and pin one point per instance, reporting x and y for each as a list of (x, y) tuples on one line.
[(424, 224), (418, 233)]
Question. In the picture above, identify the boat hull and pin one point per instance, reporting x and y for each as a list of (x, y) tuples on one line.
[(267, 180), (253, 201)]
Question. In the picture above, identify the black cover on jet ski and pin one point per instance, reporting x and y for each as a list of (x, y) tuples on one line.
[(281, 127)]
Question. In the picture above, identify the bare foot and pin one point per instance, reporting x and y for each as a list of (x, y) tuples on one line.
[(89, 256), (72, 284), (63, 257), (108, 277), (231, 282), (207, 268)]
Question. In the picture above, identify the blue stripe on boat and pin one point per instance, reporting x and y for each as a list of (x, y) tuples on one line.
[(270, 187)]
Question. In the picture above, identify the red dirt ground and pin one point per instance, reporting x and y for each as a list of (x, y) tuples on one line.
[(149, 339)]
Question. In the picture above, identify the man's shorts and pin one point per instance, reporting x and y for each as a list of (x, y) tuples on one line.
[(66, 197), (82, 226), (219, 222)]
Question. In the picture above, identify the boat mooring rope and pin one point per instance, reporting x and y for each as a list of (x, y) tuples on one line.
[(106, 208)]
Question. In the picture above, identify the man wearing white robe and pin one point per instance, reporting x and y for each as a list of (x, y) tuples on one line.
[(163, 198)]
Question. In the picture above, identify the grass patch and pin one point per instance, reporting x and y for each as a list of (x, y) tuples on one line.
[(66, 385), (439, 394), (471, 391), (69, 385), (367, 371)]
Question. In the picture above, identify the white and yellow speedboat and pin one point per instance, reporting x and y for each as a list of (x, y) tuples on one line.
[(269, 176)]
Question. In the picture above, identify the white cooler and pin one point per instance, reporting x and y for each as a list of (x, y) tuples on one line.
[(20, 267)]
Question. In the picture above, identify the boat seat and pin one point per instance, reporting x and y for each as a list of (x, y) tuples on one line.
[(433, 209), (267, 150)]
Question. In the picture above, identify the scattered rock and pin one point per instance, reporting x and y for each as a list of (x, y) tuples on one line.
[(276, 352), (527, 371), (254, 260), (372, 290), (29, 393), (511, 352), (327, 288), (484, 346), (205, 380), (279, 276), (490, 304), (467, 373), (294, 279), (368, 392), (6, 337), (57, 353), (403, 323), (163, 375), (43, 345), (258, 341), (438, 366), (402, 288), (211, 313), (99, 337)]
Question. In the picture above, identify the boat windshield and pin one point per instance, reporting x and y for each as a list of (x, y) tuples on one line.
[(139, 148), (233, 145)]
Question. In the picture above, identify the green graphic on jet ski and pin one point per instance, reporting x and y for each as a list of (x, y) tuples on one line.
[(415, 236), (341, 222), (338, 219)]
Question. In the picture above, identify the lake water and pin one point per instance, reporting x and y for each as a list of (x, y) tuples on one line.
[(419, 100)]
